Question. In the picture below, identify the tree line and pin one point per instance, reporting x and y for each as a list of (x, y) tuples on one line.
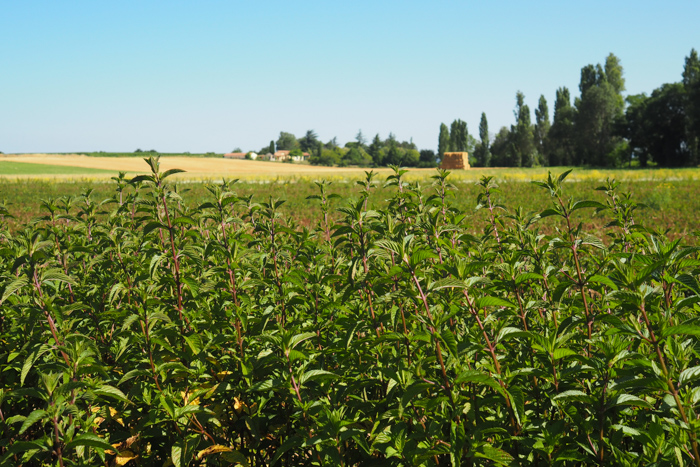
[(601, 128), (360, 152)]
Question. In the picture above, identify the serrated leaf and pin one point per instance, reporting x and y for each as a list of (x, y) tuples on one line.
[(688, 375), (518, 402), (450, 342), (550, 212), (151, 226), (682, 329), (593, 241), (526, 276), (57, 275), (89, 440), (587, 204), (496, 455), (628, 399), (316, 374), (412, 391), (299, 338), (13, 287), (110, 391), (170, 172), (32, 419), (598, 279), (562, 353), (194, 341), (573, 395), (474, 376), (447, 282), (482, 302)]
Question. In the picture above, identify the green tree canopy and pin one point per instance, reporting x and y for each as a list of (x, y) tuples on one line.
[(458, 136), (542, 131), (561, 134), (523, 150), (655, 126), (501, 149), (308, 141), (482, 152), (691, 84), (598, 110), (443, 140), (286, 141), (427, 158), (375, 150)]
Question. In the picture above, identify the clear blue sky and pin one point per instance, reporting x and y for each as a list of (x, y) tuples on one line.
[(213, 75)]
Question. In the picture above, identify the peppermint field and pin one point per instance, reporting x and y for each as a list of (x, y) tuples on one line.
[(385, 318)]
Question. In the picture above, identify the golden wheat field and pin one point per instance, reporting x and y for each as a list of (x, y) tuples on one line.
[(205, 168)]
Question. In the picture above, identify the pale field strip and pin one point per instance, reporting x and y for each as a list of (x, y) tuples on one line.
[(215, 169)]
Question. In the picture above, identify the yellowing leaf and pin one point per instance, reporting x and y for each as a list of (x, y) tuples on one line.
[(124, 457), (238, 405), (213, 450), (112, 413), (186, 399)]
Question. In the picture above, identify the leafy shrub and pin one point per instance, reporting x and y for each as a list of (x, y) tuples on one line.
[(141, 328)]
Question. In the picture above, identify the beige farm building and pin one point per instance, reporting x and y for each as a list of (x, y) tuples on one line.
[(455, 161)]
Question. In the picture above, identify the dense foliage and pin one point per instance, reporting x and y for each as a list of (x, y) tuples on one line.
[(140, 329)]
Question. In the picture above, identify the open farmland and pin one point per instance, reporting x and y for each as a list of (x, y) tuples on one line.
[(194, 167), (208, 168), (672, 197), (399, 326)]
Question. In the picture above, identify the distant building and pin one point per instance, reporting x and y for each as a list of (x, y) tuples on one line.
[(281, 155)]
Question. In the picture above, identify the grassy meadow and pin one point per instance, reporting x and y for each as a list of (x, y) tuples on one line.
[(671, 197)]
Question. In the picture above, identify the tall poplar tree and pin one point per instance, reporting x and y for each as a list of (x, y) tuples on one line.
[(598, 110), (561, 134), (482, 153), (522, 138), (443, 140), (542, 131)]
